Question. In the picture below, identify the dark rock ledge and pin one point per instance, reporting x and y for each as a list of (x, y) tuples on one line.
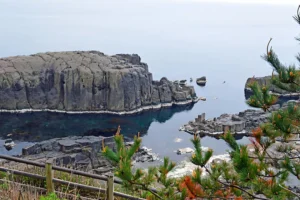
[(79, 152), (266, 80), (240, 124)]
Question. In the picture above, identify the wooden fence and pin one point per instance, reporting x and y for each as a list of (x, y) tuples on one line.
[(50, 180)]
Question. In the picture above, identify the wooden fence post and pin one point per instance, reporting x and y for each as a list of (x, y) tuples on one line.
[(110, 187), (49, 177)]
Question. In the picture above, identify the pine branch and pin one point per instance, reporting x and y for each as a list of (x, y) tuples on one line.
[(297, 195), (154, 192), (276, 159), (297, 17), (234, 186)]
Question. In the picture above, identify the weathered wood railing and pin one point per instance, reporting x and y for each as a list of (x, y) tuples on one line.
[(50, 180)]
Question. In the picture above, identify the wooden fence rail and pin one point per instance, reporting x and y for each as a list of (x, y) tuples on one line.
[(110, 193), (57, 168)]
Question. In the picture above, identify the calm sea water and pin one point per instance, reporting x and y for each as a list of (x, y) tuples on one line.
[(221, 41)]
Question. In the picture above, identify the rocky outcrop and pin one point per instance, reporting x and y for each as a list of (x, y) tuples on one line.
[(240, 124), (201, 81), (75, 152), (266, 80), (81, 153), (84, 81)]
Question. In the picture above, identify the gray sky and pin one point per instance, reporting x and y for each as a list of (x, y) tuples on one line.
[(274, 2)]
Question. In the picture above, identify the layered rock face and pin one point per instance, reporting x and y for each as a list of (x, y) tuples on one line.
[(266, 80), (83, 81), (81, 153)]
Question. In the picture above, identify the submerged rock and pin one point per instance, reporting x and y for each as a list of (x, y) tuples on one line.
[(84, 81)]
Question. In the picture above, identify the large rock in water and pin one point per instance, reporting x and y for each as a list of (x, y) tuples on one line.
[(266, 81), (83, 81)]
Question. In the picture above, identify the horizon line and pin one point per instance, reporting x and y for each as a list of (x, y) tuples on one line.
[(266, 2)]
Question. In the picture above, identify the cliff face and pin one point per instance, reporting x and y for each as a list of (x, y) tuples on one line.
[(266, 80), (83, 81)]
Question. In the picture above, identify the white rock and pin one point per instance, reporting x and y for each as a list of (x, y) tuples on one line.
[(294, 151), (185, 150), (189, 150), (182, 169), (129, 143), (146, 149), (252, 150), (181, 128), (202, 98), (204, 148), (187, 167)]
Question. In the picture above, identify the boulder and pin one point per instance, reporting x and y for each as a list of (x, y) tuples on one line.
[(187, 168), (203, 78), (266, 81), (185, 151), (201, 81)]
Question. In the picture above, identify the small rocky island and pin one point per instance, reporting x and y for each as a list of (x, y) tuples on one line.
[(85, 81), (240, 124)]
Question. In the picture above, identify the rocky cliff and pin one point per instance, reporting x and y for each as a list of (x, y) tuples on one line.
[(266, 80), (84, 81)]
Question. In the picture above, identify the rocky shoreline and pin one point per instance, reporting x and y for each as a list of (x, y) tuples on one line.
[(80, 153), (266, 80), (145, 108), (240, 124)]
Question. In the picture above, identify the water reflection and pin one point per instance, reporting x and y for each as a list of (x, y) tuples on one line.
[(39, 126)]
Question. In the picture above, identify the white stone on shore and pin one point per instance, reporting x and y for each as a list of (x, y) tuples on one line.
[(146, 149), (186, 167), (181, 128), (189, 150), (251, 149), (185, 150)]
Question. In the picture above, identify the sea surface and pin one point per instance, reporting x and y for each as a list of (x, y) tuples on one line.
[(177, 39)]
